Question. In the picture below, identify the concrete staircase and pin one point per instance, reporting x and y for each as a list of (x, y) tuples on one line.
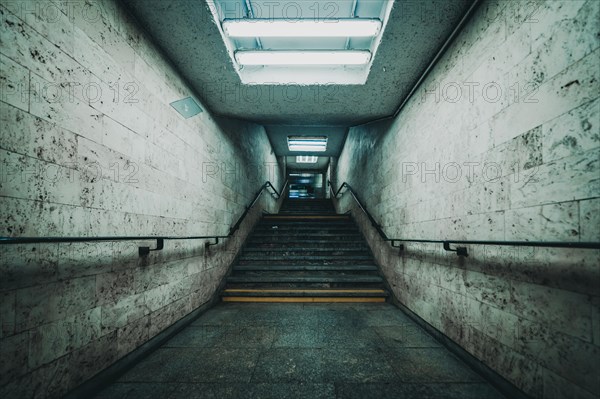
[(306, 253)]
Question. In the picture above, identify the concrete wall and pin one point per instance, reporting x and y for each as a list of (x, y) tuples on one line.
[(91, 147), (515, 159)]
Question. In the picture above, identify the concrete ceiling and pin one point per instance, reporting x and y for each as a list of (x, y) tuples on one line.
[(278, 134), (320, 165), (186, 32)]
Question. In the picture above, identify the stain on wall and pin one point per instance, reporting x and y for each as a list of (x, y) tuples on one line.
[(91, 147), (501, 142)]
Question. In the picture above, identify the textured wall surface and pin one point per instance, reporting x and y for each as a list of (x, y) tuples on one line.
[(501, 142), (91, 147)]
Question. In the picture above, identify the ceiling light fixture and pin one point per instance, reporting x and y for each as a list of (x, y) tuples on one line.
[(350, 27), (306, 159), (317, 57), (307, 144), (187, 107)]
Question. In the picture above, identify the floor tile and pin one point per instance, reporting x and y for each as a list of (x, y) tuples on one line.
[(195, 365), (417, 391), (310, 351), (429, 365), (137, 390), (406, 336), (198, 336), (357, 365), (286, 365), (251, 391)]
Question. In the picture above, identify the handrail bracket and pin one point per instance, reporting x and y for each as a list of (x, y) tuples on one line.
[(460, 251), (209, 244), (399, 246), (160, 244)]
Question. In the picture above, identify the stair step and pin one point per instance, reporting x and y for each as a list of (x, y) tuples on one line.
[(307, 233), (283, 262), (306, 211), (306, 249), (302, 299), (328, 218), (305, 253), (308, 219), (308, 223), (302, 228), (297, 243), (306, 226), (304, 295), (306, 292), (303, 236), (306, 257), (310, 279), (350, 268), (316, 205)]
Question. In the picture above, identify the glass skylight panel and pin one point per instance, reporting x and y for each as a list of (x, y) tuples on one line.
[(319, 57), (304, 43), (307, 144), (355, 27)]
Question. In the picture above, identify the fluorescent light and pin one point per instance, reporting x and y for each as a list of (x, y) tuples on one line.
[(306, 159), (354, 27), (316, 57), (307, 144)]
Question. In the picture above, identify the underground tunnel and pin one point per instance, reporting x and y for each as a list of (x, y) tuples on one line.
[(300, 199)]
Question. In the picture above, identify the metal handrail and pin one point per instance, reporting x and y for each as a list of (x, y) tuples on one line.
[(160, 240), (267, 184), (461, 251)]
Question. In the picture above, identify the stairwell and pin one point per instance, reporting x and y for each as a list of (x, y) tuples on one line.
[(305, 253)]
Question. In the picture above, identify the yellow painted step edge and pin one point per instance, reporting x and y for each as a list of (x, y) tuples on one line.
[(373, 291), (300, 299), (306, 217)]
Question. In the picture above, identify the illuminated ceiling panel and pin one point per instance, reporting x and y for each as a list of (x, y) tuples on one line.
[(307, 143), (312, 42)]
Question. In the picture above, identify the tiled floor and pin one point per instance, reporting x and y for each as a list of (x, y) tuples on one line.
[(301, 351)]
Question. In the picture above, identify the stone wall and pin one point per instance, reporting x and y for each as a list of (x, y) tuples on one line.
[(91, 147), (501, 142)]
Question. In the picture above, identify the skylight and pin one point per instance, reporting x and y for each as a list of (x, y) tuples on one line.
[(320, 57), (306, 159), (307, 144), (357, 27), (289, 42)]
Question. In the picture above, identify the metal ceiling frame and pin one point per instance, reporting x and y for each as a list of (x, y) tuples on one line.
[(251, 15)]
